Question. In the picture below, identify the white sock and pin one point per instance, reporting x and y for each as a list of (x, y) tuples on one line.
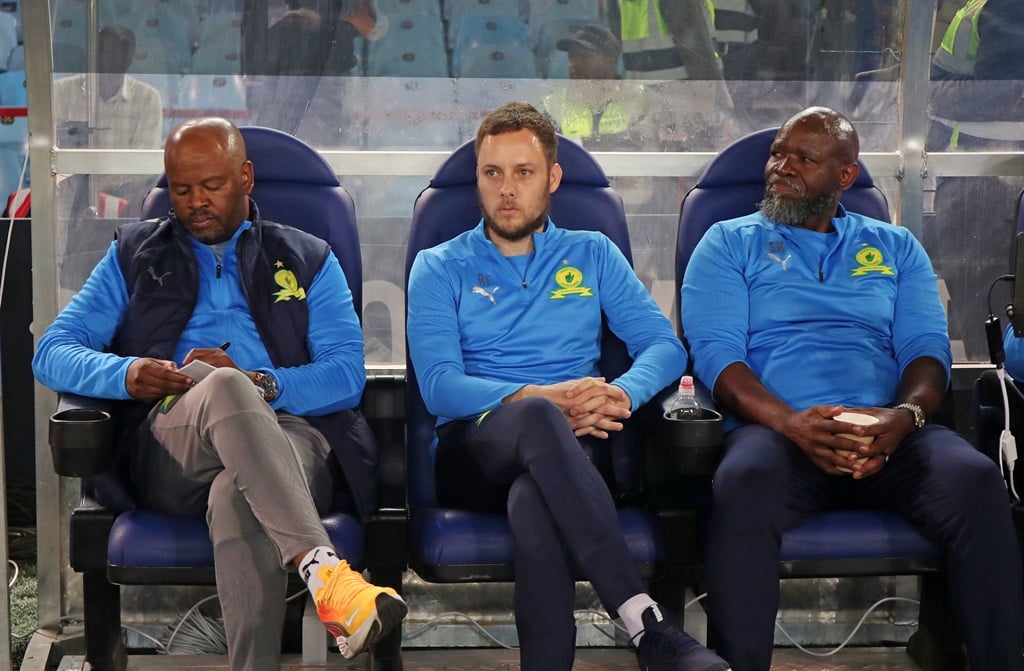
[(314, 560), (630, 612)]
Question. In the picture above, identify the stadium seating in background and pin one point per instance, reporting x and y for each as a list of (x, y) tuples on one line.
[(401, 7), (16, 59), (8, 36), (219, 45), (206, 95), (456, 10), (13, 134), (493, 46), (543, 12), (412, 47), (159, 47)]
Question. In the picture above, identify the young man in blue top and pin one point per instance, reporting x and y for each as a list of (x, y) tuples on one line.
[(795, 314), (251, 444), (504, 332)]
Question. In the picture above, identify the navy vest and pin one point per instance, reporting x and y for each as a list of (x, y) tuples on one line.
[(159, 309)]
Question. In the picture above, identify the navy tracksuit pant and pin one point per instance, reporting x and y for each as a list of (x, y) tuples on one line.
[(524, 459), (765, 485)]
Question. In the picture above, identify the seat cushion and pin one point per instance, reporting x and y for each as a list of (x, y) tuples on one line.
[(452, 537), (856, 534), (149, 539)]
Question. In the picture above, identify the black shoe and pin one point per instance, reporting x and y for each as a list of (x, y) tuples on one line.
[(666, 647)]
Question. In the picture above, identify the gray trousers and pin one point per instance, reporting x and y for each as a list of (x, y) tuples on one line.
[(261, 479)]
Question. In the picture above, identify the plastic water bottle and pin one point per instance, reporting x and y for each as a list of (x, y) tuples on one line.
[(685, 405)]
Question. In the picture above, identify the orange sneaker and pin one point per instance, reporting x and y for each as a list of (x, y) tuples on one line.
[(354, 611)]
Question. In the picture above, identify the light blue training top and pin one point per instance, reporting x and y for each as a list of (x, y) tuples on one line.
[(818, 317), (482, 325)]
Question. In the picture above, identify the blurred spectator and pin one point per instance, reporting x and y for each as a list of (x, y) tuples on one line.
[(604, 111), (665, 39), (311, 39), (735, 34), (976, 104), (121, 111), (107, 109)]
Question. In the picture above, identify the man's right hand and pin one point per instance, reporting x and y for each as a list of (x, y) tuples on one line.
[(813, 432), (149, 379), (594, 407)]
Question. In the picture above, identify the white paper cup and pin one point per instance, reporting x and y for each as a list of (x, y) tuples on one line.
[(855, 418)]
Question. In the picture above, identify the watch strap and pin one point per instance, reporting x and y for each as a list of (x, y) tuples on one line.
[(916, 412)]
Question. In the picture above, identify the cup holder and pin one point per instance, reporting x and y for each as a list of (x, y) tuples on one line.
[(691, 443), (81, 441)]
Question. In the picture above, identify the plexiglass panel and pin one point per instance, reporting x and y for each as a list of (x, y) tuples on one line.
[(419, 75)]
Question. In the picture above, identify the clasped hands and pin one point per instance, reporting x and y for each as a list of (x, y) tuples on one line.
[(149, 379), (816, 433), (593, 406)]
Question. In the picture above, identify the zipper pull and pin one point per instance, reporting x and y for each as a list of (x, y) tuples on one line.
[(821, 274)]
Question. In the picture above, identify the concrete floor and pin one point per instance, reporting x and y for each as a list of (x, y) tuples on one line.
[(587, 659)]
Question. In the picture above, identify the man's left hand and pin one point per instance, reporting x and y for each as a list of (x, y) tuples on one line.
[(892, 427), (597, 407)]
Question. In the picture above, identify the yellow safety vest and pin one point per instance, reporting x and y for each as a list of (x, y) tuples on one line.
[(959, 47), (648, 48)]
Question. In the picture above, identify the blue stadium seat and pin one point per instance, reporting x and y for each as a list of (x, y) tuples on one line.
[(456, 10), (493, 46), (16, 59), (293, 185), (391, 8), (159, 44), (412, 47), (218, 45), (13, 134), (847, 542), (210, 95), (8, 36), (542, 12), (455, 545)]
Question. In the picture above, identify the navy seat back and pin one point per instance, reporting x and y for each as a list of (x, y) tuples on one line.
[(450, 545), (296, 186)]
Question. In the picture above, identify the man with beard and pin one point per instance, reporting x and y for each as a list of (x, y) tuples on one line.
[(251, 445), (504, 331), (795, 314)]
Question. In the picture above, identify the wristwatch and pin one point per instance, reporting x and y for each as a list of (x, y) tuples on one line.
[(915, 411), (267, 384)]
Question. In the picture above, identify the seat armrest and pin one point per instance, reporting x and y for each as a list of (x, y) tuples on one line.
[(81, 435)]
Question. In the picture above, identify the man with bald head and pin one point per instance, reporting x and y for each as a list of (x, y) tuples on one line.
[(257, 443), (802, 311)]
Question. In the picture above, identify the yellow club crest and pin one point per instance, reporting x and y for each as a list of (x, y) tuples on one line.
[(570, 279), (289, 286), (870, 260)]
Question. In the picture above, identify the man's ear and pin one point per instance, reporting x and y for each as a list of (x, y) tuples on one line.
[(248, 177), (556, 177), (848, 175)]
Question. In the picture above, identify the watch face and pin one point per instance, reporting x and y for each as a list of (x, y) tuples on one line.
[(268, 386)]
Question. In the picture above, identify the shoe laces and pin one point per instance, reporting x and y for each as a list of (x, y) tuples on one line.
[(341, 585)]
